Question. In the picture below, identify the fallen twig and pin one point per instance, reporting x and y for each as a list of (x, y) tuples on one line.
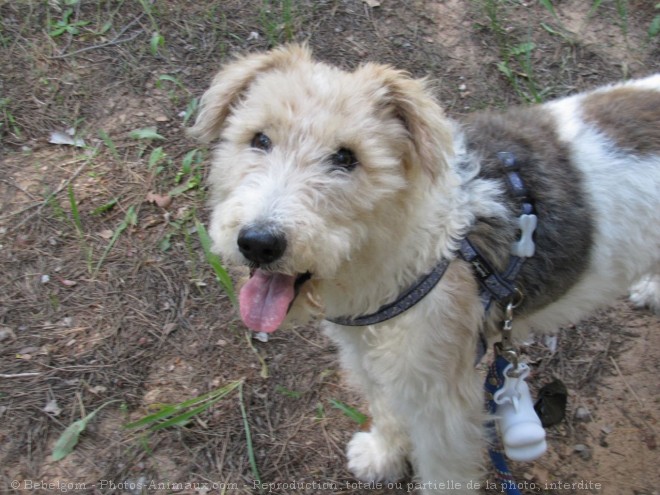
[(630, 389), (42, 204), (19, 375), (113, 41)]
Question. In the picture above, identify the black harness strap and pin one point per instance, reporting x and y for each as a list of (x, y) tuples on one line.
[(496, 286)]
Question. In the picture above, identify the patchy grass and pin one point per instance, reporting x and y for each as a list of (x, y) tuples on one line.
[(110, 289)]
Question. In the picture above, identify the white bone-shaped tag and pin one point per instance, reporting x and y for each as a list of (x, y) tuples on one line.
[(525, 247)]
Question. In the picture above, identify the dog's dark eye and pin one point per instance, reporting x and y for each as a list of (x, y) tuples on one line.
[(261, 142), (344, 159)]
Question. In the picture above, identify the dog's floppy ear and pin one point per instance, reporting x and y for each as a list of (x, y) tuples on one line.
[(228, 85), (411, 99)]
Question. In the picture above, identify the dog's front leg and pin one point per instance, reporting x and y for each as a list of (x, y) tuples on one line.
[(441, 400), (447, 437), (381, 453), (427, 376)]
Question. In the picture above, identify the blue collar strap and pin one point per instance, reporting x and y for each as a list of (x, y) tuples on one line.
[(404, 302)]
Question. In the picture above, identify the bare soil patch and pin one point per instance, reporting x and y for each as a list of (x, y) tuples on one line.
[(86, 318)]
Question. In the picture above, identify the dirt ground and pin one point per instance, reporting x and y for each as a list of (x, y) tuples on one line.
[(107, 295)]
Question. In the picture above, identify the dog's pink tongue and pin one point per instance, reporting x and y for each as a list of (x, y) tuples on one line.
[(264, 300)]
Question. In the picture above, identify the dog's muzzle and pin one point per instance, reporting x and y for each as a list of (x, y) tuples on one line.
[(268, 295)]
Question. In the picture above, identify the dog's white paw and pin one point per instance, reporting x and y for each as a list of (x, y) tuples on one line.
[(646, 292), (372, 458)]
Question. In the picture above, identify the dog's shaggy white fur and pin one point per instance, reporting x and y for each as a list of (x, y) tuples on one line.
[(339, 189)]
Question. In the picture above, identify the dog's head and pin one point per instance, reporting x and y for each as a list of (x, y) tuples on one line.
[(314, 168)]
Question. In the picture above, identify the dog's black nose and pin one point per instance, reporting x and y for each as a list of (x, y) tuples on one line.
[(261, 244)]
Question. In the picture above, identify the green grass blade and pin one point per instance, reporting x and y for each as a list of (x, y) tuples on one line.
[(109, 143), (157, 42), (184, 418), (172, 79), (146, 133), (504, 69), (248, 439), (191, 108), (210, 399), (164, 412), (350, 412), (213, 260), (74, 211), (294, 394), (191, 183), (654, 28), (169, 410), (193, 156), (129, 219), (155, 157), (523, 48), (105, 207), (594, 7), (320, 411), (549, 7), (214, 394)]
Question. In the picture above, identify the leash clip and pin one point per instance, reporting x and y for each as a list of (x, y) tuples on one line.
[(505, 347)]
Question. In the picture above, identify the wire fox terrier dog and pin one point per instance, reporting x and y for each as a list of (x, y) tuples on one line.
[(353, 199)]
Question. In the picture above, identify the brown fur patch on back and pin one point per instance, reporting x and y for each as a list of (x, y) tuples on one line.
[(630, 116), (564, 234)]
